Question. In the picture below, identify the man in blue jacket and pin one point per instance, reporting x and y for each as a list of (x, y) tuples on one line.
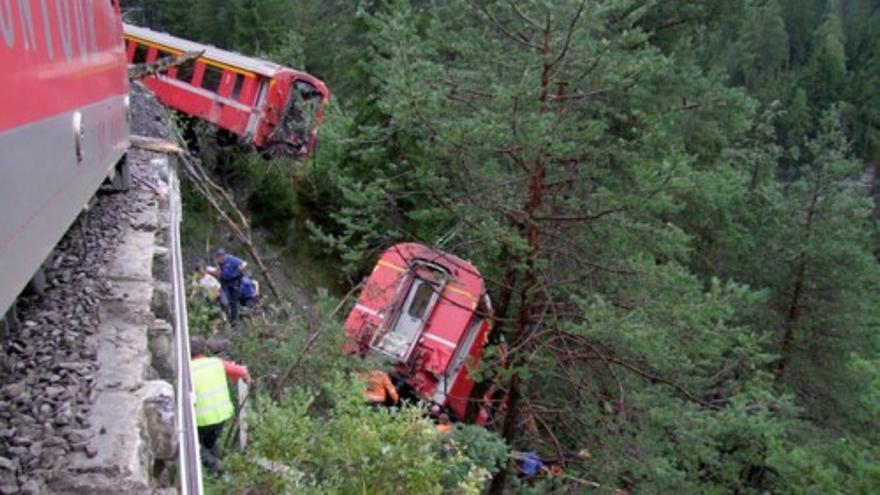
[(249, 292), (231, 270)]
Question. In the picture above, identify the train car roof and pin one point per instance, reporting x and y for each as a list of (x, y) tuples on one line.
[(463, 271), (259, 66)]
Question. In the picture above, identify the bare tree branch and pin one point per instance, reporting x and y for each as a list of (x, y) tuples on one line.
[(568, 34), (162, 65), (522, 15), (513, 36)]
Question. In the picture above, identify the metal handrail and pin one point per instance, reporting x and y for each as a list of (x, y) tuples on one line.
[(190, 466)]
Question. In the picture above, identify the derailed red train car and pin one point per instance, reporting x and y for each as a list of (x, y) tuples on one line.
[(63, 123), (275, 108), (428, 312)]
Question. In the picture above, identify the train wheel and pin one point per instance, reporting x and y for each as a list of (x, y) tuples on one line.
[(8, 325), (121, 180), (39, 282)]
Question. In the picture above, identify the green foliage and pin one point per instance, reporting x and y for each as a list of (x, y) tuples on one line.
[(271, 349), (272, 200), (761, 52), (361, 198), (823, 463), (289, 51), (200, 217), (827, 68), (271, 197), (352, 448), (203, 316)]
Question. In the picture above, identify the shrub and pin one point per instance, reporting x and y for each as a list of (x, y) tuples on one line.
[(353, 448)]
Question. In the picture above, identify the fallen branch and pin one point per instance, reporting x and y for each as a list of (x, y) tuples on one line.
[(214, 194), (310, 341), (162, 65), (155, 144)]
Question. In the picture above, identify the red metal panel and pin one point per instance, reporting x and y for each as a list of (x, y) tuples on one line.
[(198, 74), (152, 53), (459, 394), (199, 103), (74, 45), (226, 84), (129, 50), (63, 62), (249, 90)]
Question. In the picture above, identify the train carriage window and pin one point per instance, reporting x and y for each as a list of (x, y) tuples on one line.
[(186, 71), (140, 54), (423, 296), (212, 77), (239, 83), (163, 54)]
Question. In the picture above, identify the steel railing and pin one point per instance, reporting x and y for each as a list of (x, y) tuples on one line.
[(190, 466)]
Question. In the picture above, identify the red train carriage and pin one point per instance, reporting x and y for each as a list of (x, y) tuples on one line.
[(427, 311), (275, 108), (63, 125)]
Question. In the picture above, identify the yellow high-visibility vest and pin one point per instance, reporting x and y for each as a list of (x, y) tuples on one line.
[(213, 404)]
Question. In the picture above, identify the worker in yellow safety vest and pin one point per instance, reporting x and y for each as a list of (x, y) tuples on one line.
[(379, 388), (213, 405)]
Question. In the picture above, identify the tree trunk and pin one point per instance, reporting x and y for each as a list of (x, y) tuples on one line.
[(510, 421), (532, 232), (791, 319), (794, 308), (475, 398)]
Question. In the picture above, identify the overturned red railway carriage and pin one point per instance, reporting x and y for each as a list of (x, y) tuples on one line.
[(275, 108), (63, 124), (428, 312)]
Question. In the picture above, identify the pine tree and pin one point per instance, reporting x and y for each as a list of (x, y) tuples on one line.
[(824, 291), (827, 66), (212, 22), (563, 139), (173, 17), (761, 52)]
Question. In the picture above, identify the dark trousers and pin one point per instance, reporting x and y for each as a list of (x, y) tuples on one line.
[(232, 289), (208, 437)]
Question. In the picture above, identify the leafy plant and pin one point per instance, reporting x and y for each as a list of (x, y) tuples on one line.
[(345, 446)]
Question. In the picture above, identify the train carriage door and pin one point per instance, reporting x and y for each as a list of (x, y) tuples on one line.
[(459, 360), (254, 91), (262, 90), (400, 337)]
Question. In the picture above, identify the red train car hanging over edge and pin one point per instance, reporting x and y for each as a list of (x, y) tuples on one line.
[(428, 312), (275, 108)]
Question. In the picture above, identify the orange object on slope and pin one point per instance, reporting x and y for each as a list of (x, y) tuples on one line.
[(379, 387)]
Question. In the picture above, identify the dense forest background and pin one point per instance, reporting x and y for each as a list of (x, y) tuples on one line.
[(673, 204)]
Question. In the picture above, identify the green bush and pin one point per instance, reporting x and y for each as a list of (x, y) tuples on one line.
[(268, 188), (203, 316), (352, 448), (272, 200)]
